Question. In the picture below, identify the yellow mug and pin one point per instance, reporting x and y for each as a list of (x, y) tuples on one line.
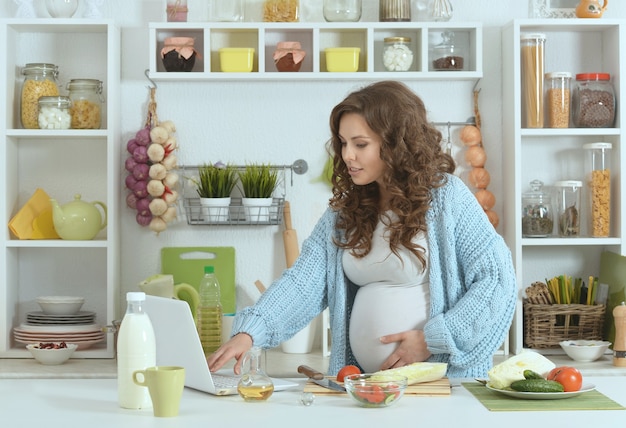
[(165, 385)]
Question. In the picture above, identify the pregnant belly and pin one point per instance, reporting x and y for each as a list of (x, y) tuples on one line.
[(380, 310)]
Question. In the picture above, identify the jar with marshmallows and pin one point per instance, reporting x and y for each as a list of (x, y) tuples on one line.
[(397, 54)]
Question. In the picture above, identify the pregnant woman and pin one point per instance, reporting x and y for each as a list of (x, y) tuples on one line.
[(404, 257)]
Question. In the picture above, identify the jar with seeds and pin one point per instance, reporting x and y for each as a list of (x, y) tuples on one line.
[(558, 98), (537, 219)]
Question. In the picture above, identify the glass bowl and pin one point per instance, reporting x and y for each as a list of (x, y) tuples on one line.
[(370, 390)]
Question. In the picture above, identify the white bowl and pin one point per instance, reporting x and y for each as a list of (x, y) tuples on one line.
[(51, 357), (584, 351), (60, 305), (61, 8)]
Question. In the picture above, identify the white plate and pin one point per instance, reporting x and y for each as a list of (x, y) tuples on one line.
[(26, 328), (543, 395)]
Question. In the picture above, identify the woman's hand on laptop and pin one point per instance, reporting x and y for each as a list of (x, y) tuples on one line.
[(236, 348)]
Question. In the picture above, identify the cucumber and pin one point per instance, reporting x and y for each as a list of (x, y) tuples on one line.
[(529, 374), (537, 385)]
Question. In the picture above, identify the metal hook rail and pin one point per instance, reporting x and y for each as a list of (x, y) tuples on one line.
[(236, 213), (299, 167)]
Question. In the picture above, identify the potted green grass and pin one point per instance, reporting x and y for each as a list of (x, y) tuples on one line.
[(214, 186), (258, 182)]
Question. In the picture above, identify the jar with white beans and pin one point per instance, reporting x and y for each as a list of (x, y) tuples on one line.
[(397, 54), (54, 113)]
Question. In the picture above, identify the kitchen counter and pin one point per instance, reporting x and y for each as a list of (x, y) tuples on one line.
[(83, 392), (93, 403)]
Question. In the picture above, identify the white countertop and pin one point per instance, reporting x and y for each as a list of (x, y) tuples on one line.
[(83, 392), (93, 403)]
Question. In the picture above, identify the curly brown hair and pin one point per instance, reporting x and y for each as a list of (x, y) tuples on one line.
[(411, 149)]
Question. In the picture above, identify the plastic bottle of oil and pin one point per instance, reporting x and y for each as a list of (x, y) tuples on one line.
[(209, 313)]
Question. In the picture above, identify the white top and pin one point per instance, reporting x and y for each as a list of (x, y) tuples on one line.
[(393, 297)]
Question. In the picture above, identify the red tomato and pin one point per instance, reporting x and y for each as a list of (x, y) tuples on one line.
[(569, 377), (346, 371)]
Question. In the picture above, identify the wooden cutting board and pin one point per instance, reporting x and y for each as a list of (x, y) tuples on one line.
[(440, 387), (186, 264)]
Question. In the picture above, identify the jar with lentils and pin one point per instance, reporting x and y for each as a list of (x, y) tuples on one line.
[(86, 96), (593, 101), (40, 80)]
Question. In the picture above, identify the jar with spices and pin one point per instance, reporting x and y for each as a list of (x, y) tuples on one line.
[(87, 99), (537, 219), (533, 63), (54, 113), (281, 10), (176, 10), (558, 98), (40, 80), (288, 56), (342, 10), (593, 101), (568, 207), (397, 54), (599, 182), (178, 54), (394, 10), (447, 55)]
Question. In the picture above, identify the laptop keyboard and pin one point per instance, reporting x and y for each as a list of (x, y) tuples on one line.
[(224, 381)]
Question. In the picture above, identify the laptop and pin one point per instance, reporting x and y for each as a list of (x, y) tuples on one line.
[(178, 344)]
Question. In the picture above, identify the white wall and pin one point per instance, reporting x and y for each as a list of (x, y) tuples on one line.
[(279, 123)]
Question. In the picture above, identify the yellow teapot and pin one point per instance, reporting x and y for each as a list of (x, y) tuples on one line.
[(78, 220), (591, 8)]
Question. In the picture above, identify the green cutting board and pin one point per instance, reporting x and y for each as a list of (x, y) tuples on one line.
[(187, 264)]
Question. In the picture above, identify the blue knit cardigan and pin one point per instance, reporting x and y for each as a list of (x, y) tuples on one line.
[(472, 288)]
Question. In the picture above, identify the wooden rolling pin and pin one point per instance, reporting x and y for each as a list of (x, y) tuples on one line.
[(290, 238)]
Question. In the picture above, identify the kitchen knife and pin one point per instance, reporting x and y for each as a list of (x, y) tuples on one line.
[(319, 378)]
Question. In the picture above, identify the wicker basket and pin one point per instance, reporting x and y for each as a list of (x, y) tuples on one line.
[(546, 325)]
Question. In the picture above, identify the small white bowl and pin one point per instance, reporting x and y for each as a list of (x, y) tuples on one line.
[(584, 351), (51, 357), (60, 305)]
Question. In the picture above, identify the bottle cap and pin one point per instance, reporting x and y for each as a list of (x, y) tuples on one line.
[(208, 269), (135, 296)]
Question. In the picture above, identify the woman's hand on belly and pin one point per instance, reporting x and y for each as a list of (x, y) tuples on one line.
[(411, 349)]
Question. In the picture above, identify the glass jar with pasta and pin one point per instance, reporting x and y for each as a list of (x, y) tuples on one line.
[(599, 182), (40, 80), (532, 60), (281, 10), (86, 97)]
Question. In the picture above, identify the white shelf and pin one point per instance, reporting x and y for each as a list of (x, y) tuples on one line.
[(314, 38), (551, 155), (62, 163)]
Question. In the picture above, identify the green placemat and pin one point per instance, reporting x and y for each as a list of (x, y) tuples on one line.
[(592, 400)]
